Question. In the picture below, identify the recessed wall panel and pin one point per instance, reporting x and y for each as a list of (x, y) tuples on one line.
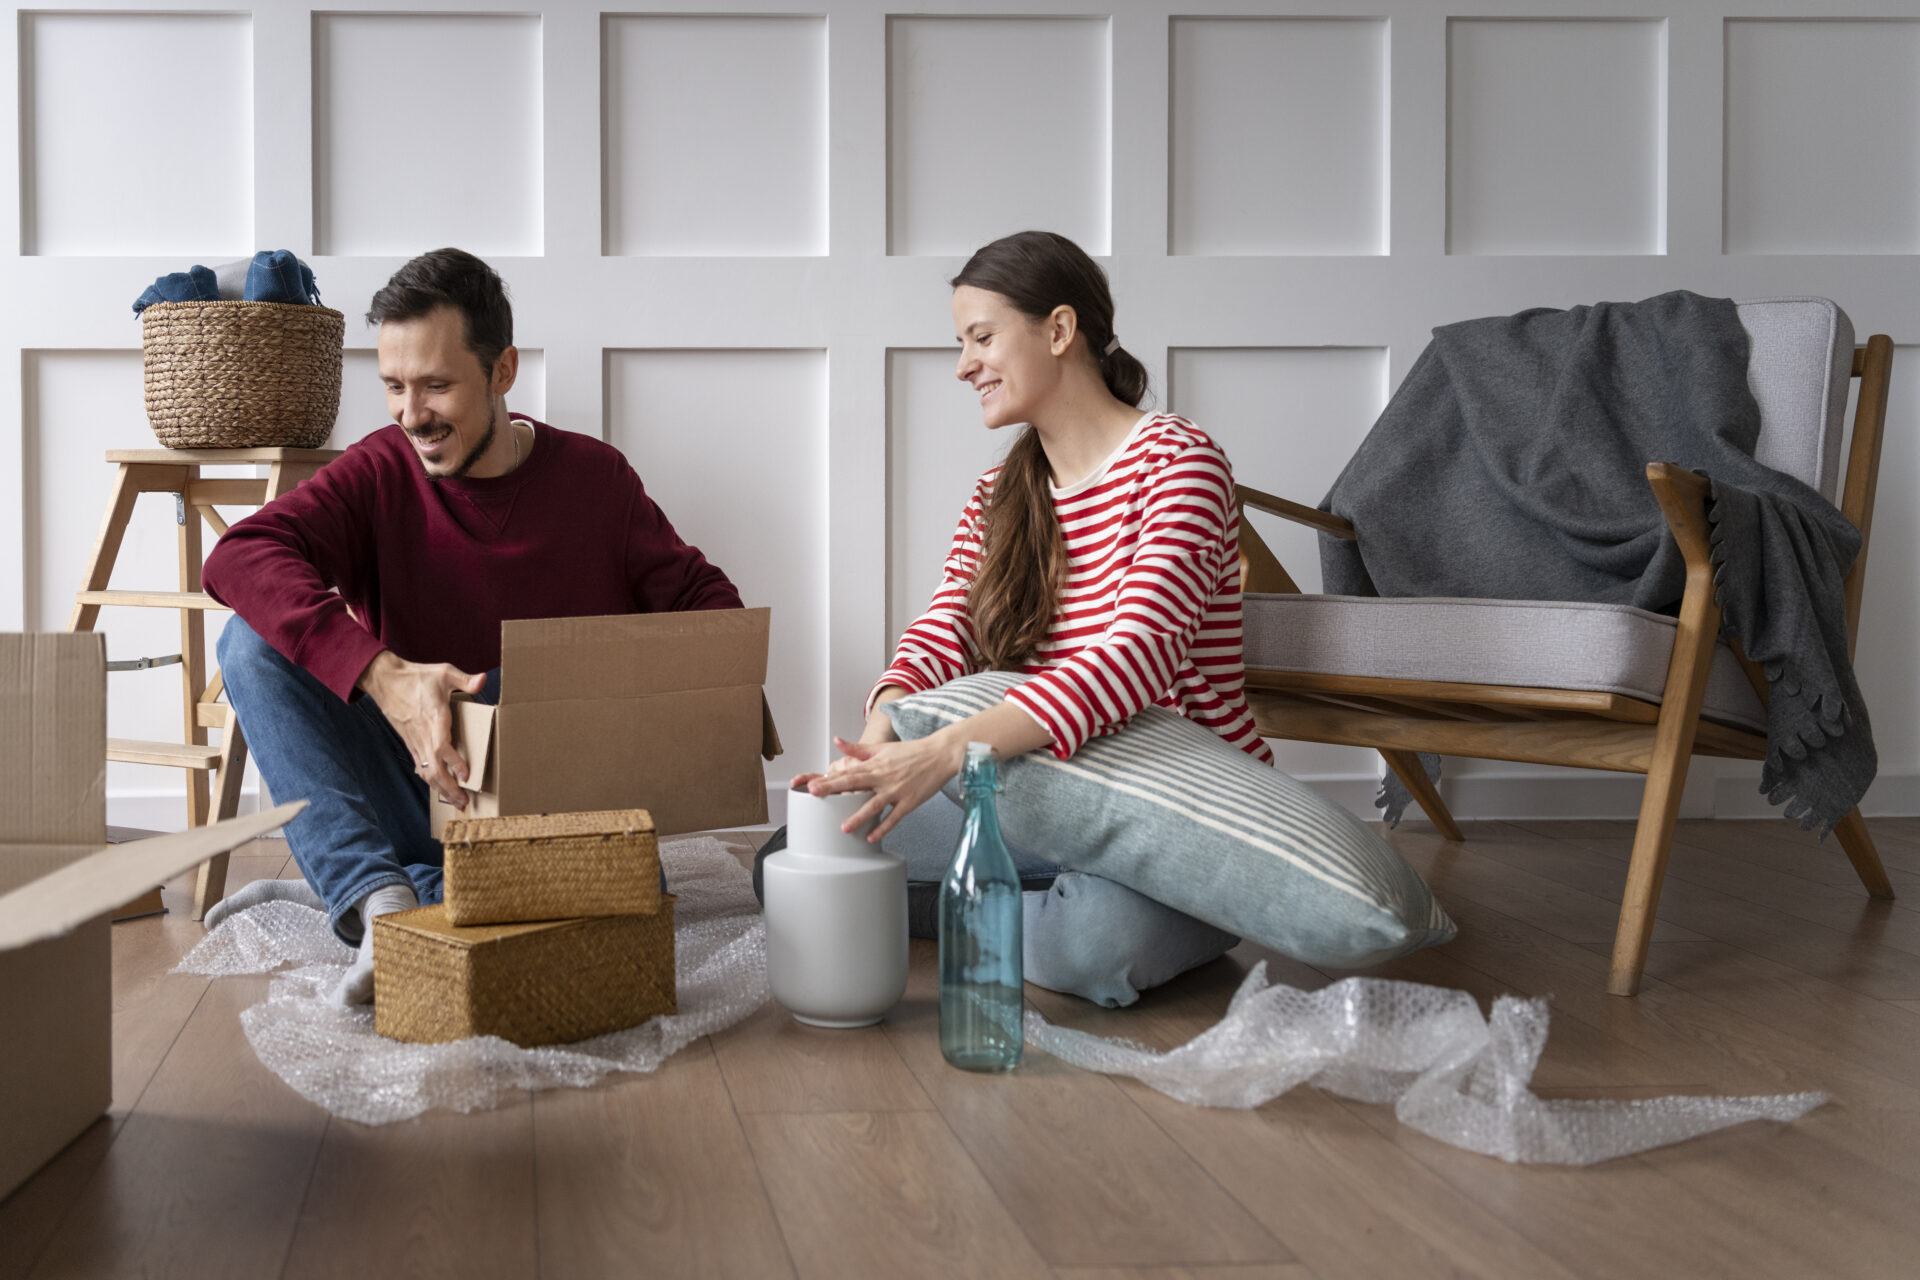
[(1288, 418), (997, 125), (126, 148), (1823, 137), (732, 445), (714, 135), (1556, 136), (363, 397), (936, 450), (405, 160), (1279, 136)]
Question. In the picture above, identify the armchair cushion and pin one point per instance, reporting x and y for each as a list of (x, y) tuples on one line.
[(1170, 810), (1527, 643), (1800, 369)]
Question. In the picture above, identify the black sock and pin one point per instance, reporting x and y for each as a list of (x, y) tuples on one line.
[(775, 843)]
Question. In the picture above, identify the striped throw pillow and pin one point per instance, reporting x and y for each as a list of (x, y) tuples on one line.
[(1168, 809)]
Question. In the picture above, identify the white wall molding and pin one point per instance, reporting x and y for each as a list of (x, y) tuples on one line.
[(1722, 163)]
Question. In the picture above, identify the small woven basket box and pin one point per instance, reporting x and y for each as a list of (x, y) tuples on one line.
[(589, 949), (551, 866)]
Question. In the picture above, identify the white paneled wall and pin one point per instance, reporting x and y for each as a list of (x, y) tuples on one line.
[(1791, 88), (684, 418), (426, 131), (81, 167), (1556, 135), (1258, 105), (997, 122), (715, 135), (727, 228), (936, 449)]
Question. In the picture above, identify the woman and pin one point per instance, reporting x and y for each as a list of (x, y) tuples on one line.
[(1102, 559)]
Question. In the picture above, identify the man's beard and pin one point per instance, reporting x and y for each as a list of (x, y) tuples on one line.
[(473, 454)]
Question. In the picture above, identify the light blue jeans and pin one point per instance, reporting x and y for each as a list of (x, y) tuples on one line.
[(365, 824), (1086, 936)]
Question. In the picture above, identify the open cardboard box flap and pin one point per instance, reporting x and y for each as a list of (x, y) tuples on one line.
[(660, 711), (569, 659), (57, 887), (85, 885)]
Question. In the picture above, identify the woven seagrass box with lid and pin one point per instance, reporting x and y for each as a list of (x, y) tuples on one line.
[(577, 938), (550, 982), (551, 866)]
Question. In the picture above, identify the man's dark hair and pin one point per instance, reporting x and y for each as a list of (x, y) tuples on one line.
[(451, 278)]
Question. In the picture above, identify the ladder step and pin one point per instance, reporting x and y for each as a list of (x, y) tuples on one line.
[(178, 755), (151, 599)]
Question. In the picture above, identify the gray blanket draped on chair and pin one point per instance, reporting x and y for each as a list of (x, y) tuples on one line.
[(1511, 465)]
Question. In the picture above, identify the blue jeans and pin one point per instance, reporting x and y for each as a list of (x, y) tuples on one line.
[(1086, 936), (365, 824)]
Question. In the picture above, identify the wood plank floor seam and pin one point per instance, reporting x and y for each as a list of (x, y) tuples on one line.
[(306, 1195), (992, 1186), (533, 1177), (759, 1174)]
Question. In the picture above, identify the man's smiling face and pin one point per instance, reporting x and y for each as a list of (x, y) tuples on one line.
[(452, 411)]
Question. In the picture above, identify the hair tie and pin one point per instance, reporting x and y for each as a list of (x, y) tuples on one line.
[(1112, 346)]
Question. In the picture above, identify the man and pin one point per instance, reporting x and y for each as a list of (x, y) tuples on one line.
[(372, 593)]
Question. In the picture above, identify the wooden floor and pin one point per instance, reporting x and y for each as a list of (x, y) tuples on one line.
[(776, 1150)]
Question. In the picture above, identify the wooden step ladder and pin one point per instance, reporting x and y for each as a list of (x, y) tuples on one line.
[(177, 471)]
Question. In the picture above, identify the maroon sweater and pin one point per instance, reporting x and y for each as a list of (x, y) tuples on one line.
[(432, 568)]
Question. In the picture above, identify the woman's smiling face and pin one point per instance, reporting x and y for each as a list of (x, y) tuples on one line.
[(1005, 356)]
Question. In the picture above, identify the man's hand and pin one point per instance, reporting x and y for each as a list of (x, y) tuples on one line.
[(416, 698)]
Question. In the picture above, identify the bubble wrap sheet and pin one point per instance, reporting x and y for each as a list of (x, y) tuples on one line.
[(332, 1055), (1449, 1071)]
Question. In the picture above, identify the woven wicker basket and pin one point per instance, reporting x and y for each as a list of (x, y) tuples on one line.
[(532, 984), (551, 867), (242, 375)]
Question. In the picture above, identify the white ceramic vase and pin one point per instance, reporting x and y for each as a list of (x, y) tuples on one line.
[(836, 913)]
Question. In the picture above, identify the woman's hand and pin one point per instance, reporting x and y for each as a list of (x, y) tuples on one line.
[(901, 775), (906, 774)]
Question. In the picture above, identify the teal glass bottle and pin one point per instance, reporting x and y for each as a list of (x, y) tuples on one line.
[(980, 979)]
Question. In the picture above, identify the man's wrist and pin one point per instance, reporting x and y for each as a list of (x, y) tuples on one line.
[(376, 670)]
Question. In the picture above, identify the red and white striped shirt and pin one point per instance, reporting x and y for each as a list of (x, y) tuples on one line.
[(1149, 613)]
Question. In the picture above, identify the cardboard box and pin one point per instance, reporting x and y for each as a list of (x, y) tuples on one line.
[(655, 711), (57, 888)]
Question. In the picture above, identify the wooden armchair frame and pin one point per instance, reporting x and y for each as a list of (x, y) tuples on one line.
[(1593, 729)]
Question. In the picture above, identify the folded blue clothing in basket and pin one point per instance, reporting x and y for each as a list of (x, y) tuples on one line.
[(273, 275)]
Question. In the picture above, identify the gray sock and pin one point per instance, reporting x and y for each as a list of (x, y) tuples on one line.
[(252, 895), (357, 986)]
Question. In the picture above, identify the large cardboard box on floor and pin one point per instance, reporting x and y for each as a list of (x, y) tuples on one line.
[(58, 885), (655, 711)]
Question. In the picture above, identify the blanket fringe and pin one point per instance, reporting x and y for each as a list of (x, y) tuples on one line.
[(1831, 715)]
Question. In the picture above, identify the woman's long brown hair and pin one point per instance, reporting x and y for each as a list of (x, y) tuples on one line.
[(1023, 558)]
